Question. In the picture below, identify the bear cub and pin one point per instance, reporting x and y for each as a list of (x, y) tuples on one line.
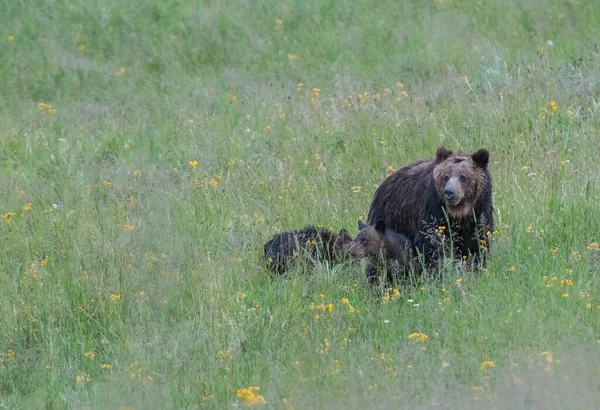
[(318, 245), (384, 249)]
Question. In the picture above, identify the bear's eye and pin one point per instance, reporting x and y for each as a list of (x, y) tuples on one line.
[(463, 178), (446, 178), (364, 241)]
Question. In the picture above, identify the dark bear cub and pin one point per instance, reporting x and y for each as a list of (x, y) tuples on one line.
[(284, 249), (385, 249)]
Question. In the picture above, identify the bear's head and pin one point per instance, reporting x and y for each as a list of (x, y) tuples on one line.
[(369, 241), (460, 179)]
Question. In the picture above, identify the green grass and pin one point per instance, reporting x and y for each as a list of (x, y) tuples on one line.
[(113, 244)]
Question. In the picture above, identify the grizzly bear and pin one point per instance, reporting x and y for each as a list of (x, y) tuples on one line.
[(385, 250), (317, 245), (442, 205)]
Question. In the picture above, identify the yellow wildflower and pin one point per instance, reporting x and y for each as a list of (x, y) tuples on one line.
[(418, 337), (44, 262), (487, 365), (250, 397), (90, 355)]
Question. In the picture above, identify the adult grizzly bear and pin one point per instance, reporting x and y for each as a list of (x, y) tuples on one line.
[(421, 198)]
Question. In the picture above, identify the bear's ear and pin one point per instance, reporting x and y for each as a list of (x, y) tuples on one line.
[(442, 154), (481, 157), (380, 226), (361, 225)]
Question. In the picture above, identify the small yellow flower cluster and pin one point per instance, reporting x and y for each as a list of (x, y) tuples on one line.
[(566, 282), (323, 307), (544, 111), (549, 283), (7, 216), (487, 365), (391, 294), (83, 378), (135, 372), (6, 358), (440, 229), (315, 92), (418, 337), (46, 110), (250, 397), (120, 72), (351, 309), (90, 355), (115, 298), (323, 347)]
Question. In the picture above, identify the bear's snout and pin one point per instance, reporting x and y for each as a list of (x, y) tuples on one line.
[(449, 194), (452, 192)]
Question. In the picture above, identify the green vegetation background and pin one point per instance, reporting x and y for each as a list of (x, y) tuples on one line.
[(149, 150)]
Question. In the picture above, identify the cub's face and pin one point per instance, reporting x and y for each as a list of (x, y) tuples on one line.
[(368, 242), (460, 179)]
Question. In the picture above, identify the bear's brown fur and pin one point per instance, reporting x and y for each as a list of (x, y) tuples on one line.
[(384, 249), (421, 198), (317, 245)]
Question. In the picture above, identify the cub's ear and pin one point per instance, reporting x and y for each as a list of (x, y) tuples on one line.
[(361, 225), (345, 235), (481, 157), (380, 226), (442, 154)]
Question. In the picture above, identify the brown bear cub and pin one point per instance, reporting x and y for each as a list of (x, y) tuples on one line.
[(421, 198), (386, 251), (317, 245)]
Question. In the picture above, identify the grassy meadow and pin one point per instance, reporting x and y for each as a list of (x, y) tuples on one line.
[(150, 149)]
